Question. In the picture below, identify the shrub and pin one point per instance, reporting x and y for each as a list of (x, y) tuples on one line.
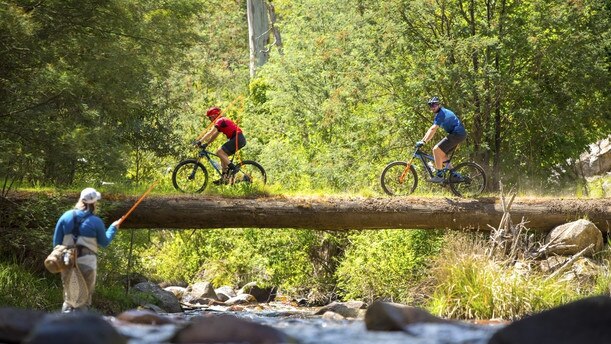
[(386, 264)]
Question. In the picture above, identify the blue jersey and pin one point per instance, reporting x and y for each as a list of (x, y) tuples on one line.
[(449, 122), (92, 230)]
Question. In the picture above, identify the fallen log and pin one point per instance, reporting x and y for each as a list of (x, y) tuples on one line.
[(343, 213), (356, 213)]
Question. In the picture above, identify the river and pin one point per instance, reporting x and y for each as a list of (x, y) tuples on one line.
[(305, 328)]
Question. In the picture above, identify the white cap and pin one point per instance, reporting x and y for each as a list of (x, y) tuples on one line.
[(90, 195)]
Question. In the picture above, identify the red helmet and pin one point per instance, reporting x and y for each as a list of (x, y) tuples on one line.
[(213, 112)]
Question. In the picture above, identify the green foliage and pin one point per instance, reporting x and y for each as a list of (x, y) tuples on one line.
[(291, 259), (113, 91), (23, 288), (28, 227), (386, 264), (597, 187), (98, 89), (348, 94)]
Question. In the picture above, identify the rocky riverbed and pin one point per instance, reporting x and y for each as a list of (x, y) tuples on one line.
[(582, 321)]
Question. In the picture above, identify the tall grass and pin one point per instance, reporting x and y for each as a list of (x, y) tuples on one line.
[(24, 289), (470, 285)]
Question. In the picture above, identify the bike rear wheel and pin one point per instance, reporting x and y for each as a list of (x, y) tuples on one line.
[(470, 181), (251, 174), (396, 180), (190, 176)]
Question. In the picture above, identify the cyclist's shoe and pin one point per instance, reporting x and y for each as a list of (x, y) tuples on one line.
[(437, 179), (457, 177), (233, 169)]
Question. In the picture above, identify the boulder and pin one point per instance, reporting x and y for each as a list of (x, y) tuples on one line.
[(583, 321), (385, 316), (597, 160), (143, 317), (228, 329), (74, 328), (224, 293), (241, 299), (332, 316), (571, 238), (179, 292), (346, 310), (16, 323), (200, 290), (262, 295), (164, 299)]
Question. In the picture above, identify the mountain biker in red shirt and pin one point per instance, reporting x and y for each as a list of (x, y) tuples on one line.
[(232, 132)]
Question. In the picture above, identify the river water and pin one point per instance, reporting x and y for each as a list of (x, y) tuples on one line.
[(306, 328)]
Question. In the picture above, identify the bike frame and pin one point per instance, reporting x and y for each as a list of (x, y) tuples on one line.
[(423, 157), (207, 154)]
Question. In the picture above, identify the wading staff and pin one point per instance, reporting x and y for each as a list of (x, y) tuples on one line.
[(131, 240)]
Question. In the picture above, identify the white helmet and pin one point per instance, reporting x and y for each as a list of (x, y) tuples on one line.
[(90, 195)]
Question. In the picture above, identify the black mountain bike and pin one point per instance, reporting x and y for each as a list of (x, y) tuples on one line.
[(399, 178), (191, 176)]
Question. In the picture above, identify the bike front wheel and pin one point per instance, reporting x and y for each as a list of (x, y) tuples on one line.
[(467, 179), (399, 180), (250, 174), (190, 176)]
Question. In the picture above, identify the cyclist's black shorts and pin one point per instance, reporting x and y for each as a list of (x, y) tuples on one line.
[(450, 142), (230, 147)]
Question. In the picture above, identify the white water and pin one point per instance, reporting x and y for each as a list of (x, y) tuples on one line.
[(306, 328)]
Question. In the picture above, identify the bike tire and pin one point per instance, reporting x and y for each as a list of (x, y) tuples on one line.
[(391, 179), (190, 176), (472, 181), (251, 174)]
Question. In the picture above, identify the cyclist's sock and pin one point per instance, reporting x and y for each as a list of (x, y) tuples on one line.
[(231, 166)]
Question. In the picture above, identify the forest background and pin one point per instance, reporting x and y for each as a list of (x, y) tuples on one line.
[(108, 93)]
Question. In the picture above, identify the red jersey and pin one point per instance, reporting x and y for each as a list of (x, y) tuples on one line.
[(227, 127)]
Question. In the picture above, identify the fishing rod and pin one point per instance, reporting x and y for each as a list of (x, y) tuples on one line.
[(131, 240), (137, 202), (141, 198)]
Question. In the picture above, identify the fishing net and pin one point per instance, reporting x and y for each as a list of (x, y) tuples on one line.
[(76, 292)]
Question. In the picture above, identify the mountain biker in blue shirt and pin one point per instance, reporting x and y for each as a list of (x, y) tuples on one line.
[(446, 119)]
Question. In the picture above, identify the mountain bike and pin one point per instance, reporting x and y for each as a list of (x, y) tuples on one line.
[(191, 176), (467, 179)]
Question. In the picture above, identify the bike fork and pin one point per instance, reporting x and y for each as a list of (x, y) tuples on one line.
[(192, 175), (406, 170)]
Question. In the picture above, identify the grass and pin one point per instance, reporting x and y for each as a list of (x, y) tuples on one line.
[(470, 285), (24, 289)]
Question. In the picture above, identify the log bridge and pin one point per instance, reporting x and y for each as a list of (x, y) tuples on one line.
[(346, 213)]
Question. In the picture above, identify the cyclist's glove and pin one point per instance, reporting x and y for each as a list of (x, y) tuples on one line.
[(419, 144)]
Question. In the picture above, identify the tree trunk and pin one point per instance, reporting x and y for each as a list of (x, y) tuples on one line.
[(275, 31), (350, 213), (258, 33)]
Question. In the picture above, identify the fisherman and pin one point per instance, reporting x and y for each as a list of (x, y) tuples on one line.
[(82, 229)]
